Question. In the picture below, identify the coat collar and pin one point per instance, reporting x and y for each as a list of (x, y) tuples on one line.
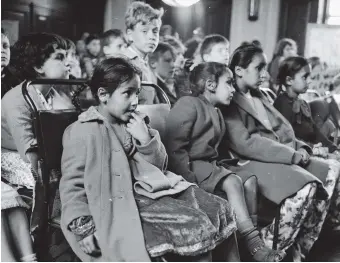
[(91, 114), (243, 102)]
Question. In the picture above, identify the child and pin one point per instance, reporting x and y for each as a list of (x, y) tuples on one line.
[(162, 61), (37, 55), (287, 174), (285, 48), (294, 75), (194, 130), (179, 51), (142, 30), (118, 201), (215, 48), (91, 58), (113, 43), (73, 62)]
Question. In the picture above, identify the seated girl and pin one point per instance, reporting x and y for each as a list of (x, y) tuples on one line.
[(306, 188), (118, 201), (194, 131), (37, 55), (294, 76)]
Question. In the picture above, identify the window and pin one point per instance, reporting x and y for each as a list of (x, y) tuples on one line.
[(332, 14)]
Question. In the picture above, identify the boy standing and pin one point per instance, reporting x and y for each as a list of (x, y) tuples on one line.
[(113, 43), (142, 29)]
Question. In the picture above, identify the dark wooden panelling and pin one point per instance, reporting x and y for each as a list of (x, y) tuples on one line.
[(69, 18), (294, 17)]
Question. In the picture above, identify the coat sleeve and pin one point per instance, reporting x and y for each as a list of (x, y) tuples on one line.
[(20, 123), (154, 152), (179, 125), (250, 144), (72, 189)]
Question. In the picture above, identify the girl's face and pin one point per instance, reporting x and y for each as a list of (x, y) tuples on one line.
[(301, 80), (123, 101), (224, 90), (5, 51), (289, 51), (253, 76), (56, 66)]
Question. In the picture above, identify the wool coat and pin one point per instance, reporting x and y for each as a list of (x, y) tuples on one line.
[(194, 130), (97, 181), (269, 151)]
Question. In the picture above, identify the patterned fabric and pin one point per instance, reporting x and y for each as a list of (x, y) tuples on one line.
[(83, 226), (16, 171), (10, 198), (304, 227), (192, 223)]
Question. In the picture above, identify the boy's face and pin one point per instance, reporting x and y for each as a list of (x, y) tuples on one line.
[(115, 47), (123, 101), (94, 47), (165, 66), (56, 66), (219, 53), (5, 51), (145, 38), (301, 80)]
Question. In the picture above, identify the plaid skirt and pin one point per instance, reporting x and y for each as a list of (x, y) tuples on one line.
[(188, 224)]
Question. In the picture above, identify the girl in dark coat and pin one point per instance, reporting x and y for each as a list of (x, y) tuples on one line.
[(194, 130), (294, 75)]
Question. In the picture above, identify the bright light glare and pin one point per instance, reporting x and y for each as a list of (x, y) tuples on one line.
[(180, 3)]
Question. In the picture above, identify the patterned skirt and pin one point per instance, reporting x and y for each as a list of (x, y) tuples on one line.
[(18, 174), (188, 224)]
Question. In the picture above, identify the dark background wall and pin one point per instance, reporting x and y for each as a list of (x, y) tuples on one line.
[(69, 18)]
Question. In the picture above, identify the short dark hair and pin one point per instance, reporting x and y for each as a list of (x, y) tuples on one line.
[(110, 73), (108, 35), (175, 43), (161, 49), (243, 56), (289, 67), (32, 51), (209, 41), (204, 71), (90, 38)]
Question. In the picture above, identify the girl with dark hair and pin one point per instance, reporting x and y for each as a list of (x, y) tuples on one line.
[(119, 203), (285, 48), (294, 75), (305, 188), (194, 131)]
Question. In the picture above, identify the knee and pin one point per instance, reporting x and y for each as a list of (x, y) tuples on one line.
[(251, 184), (233, 181)]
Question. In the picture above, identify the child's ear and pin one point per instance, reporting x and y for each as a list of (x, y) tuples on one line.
[(239, 71), (205, 57), (289, 81), (210, 85), (105, 50), (153, 64), (103, 95), (39, 70), (129, 35)]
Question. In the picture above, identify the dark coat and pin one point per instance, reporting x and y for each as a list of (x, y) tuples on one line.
[(269, 152), (302, 121), (194, 130)]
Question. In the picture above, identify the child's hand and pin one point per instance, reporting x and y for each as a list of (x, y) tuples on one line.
[(138, 129), (89, 245), (305, 155)]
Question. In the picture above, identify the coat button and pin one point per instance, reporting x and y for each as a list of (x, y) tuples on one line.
[(117, 174), (120, 197)]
